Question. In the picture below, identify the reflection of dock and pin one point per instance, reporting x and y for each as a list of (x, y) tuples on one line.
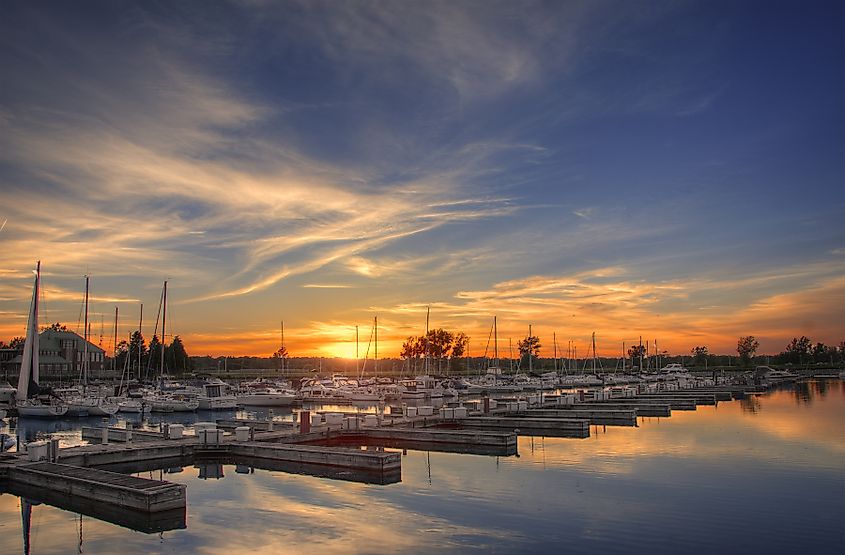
[(476, 442), (532, 426), (106, 487), (141, 521)]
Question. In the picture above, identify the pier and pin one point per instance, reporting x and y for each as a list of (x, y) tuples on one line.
[(532, 426), (94, 479), (600, 416)]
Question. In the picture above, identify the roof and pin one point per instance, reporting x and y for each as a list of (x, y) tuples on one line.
[(43, 359), (49, 339)]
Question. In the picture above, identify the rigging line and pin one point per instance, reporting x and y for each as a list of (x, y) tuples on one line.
[(489, 337), (367, 352), (155, 331)]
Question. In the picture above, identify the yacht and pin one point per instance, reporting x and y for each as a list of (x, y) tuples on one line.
[(773, 375), (266, 398)]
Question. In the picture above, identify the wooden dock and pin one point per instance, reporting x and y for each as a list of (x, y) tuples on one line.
[(531, 426), (105, 487), (604, 416), (654, 408), (697, 398), (451, 440)]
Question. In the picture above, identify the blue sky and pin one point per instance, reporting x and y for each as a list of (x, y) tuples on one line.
[(665, 169)]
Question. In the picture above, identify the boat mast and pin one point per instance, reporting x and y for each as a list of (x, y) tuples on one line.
[(495, 343), (140, 325), (530, 349), (114, 346), (163, 324), (623, 357), (375, 326), (284, 354), (641, 354), (594, 352), (85, 342), (427, 314), (554, 344), (357, 358)]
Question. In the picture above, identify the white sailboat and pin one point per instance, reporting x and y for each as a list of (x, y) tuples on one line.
[(30, 400), (162, 401), (88, 403)]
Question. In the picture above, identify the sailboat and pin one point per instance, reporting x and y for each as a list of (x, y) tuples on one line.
[(31, 401), (168, 402), (87, 402)]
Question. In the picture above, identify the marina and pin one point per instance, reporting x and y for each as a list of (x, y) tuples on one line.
[(96, 475)]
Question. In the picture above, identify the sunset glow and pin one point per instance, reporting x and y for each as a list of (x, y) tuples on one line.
[(322, 164)]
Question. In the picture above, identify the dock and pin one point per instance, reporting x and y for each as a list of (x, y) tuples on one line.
[(451, 440), (599, 416), (652, 408), (94, 479), (139, 494), (531, 426)]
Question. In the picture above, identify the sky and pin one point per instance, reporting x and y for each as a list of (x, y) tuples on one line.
[(664, 170)]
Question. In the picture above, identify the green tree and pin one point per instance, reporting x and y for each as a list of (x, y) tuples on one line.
[(177, 357), (746, 347), (17, 342), (459, 346), (635, 353), (154, 356), (529, 347), (55, 327), (700, 355), (821, 352), (279, 357), (798, 350)]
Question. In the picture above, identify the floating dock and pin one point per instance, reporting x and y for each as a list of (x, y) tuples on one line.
[(476, 442), (106, 487), (603, 416), (531, 426), (652, 408)]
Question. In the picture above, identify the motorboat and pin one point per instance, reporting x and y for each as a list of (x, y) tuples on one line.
[(176, 402), (266, 398), (773, 375)]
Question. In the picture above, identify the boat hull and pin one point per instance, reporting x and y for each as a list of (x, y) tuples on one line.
[(267, 400), (42, 411)]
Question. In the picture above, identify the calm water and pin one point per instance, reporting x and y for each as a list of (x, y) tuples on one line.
[(764, 475)]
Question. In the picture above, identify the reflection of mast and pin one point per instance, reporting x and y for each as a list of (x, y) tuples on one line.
[(79, 546), (26, 519)]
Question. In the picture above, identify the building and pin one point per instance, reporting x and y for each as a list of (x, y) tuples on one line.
[(60, 358)]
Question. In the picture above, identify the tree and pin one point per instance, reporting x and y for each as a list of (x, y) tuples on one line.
[(55, 327), (821, 352), (459, 345), (529, 347), (17, 342), (700, 355), (635, 353), (177, 357), (798, 350), (746, 347), (279, 357), (154, 355)]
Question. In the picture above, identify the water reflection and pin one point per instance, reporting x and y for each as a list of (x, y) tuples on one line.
[(718, 478)]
